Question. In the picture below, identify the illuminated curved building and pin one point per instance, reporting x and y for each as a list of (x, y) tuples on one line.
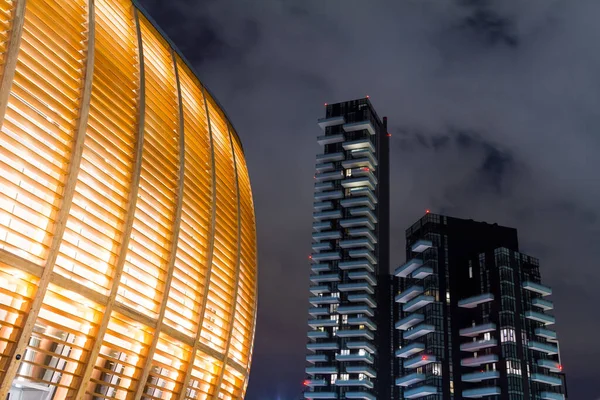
[(127, 230)]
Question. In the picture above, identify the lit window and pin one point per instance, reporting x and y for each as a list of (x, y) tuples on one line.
[(333, 378), (470, 272), (507, 335)]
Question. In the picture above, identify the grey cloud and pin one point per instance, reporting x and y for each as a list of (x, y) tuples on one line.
[(493, 106)]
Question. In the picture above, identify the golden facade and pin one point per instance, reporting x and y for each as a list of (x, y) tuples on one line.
[(127, 230)]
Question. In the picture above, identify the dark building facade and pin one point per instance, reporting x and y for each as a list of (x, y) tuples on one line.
[(349, 338), (471, 316)]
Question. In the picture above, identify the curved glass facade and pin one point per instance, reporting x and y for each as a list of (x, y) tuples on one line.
[(127, 230)]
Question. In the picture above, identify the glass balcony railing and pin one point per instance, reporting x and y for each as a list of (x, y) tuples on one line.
[(329, 176), (543, 304), (359, 162), (320, 395), (321, 186), (410, 350), (363, 191), (417, 303), (359, 126), (322, 346), (537, 288), (330, 139), (324, 167), (481, 392), (356, 287), (357, 243), (314, 335), (421, 245), (355, 383), (410, 321), (362, 297), (327, 370), (473, 331), (362, 201), (546, 379), (317, 289), (324, 300), (478, 361), (366, 321), (359, 144), (547, 348), (320, 267), (330, 157), (327, 235), (321, 246), (335, 277), (366, 357), (409, 294), (363, 181), (550, 365), (552, 396), (358, 309), (421, 391), (364, 212), (329, 195), (404, 270), (357, 222), (474, 301), (540, 317), (363, 253), (322, 322), (364, 275), (318, 311), (313, 358), (410, 379), (329, 256), (360, 395), (422, 272), (361, 369), (325, 215), (357, 264), (418, 331), (361, 345), (315, 383), (331, 121), (322, 205), (356, 333), (318, 226), (363, 232), (420, 361), (480, 376), (478, 345)]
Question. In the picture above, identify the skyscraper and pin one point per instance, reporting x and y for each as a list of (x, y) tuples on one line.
[(349, 339), (471, 317), (127, 232)]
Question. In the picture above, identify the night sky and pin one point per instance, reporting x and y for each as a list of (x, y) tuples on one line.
[(494, 111)]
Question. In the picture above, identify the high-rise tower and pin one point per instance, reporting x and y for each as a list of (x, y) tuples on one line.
[(471, 317), (349, 340)]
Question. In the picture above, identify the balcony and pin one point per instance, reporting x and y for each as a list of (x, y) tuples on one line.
[(537, 288), (359, 126), (360, 309), (361, 346), (360, 162), (550, 365), (362, 181), (325, 278), (473, 331), (329, 256), (547, 348), (356, 287), (327, 235), (552, 396), (366, 321), (481, 392), (546, 379), (315, 383), (322, 205), (351, 333), (417, 303), (320, 395), (331, 121), (363, 153), (324, 167), (329, 176), (421, 391), (328, 370), (314, 335), (317, 247), (317, 289), (330, 157), (362, 201), (356, 243), (322, 322), (359, 144), (542, 304), (325, 215), (357, 222), (410, 350), (357, 264), (330, 139), (540, 317), (404, 270), (421, 245), (322, 346), (355, 357), (410, 379), (360, 395), (324, 300), (361, 369), (478, 361), (314, 358), (363, 191), (364, 275), (318, 311), (478, 345), (363, 232), (364, 212), (420, 361), (355, 383), (410, 321), (323, 267), (362, 297), (363, 253), (318, 226), (422, 272), (409, 294), (418, 331), (319, 187), (474, 301), (480, 376), (329, 195)]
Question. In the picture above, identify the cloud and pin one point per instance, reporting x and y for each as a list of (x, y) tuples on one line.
[(493, 106)]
